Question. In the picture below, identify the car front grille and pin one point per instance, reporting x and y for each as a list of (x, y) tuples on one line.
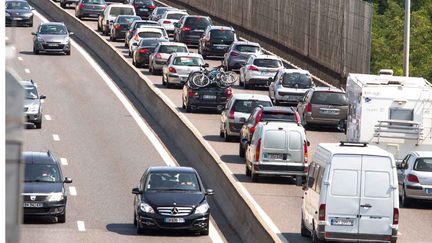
[(174, 211), (36, 210), (52, 45), (27, 198)]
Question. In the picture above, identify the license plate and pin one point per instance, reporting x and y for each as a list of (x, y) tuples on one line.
[(93, 15), (174, 220), (330, 112), (18, 18), (292, 98), (428, 190), (342, 222), (265, 73), (209, 97), (275, 156), (33, 205), (52, 45), (143, 9)]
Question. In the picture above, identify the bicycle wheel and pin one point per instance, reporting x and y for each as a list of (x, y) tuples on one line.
[(200, 80), (229, 78)]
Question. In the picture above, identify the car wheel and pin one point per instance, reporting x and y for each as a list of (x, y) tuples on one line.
[(163, 79), (254, 176), (405, 201), (153, 71), (315, 238), (221, 133), (135, 222), (226, 136), (139, 229), (205, 231), (303, 230), (241, 150), (68, 53), (62, 218), (31, 24), (241, 82), (38, 124), (245, 84), (62, 5), (168, 85), (114, 39), (304, 122), (35, 51), (248, 171)]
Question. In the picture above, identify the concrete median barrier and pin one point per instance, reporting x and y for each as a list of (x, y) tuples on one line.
[(238, 209)]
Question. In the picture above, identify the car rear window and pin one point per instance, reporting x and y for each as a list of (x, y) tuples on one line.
[(41, 173), (160, 11), (146, 2), (175, 16), (188, 61), (268, 63), (172, 181), (246, 106), (139, 24), (127, 19), (247, 48), (171, 49), (197, 22), (297, 80), (278, 116), (149, 34), (151, 42), (329, 98), (94, 1), (115, 11), (222, 34), (423, 164)]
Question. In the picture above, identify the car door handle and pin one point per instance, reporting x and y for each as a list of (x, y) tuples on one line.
[(367, 205)]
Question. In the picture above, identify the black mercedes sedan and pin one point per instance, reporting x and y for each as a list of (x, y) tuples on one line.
[(44, 193), (171, 198)]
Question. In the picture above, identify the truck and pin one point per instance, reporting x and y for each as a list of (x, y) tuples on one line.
[(393, 112)]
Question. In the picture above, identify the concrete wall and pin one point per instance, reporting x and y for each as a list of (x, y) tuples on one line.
[(329, 37)]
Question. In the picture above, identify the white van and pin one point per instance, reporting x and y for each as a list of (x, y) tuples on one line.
[(351, 194), (106, 19), (277, 149)]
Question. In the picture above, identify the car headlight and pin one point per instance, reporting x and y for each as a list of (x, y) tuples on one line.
[(203, 208), (66, 40), (7, 14), (40, 40), (54, 197), (27, 14), (146, 208), (33, 108)]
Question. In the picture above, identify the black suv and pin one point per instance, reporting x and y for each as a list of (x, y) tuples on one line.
[(189, 29), (44, 193), (143, 8), (171, 198), (216, 41)]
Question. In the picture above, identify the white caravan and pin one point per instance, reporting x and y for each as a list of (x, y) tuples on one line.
[(351, 194), (393, 112)]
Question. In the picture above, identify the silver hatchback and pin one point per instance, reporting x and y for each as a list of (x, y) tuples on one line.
[(415, 177)]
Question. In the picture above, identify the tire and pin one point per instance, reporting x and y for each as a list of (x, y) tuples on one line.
[(168, 85), (303, 230), (405, 201), (139, 230), (31, 24), (221, 134), (163, 79), (241, 83), (135, 222), (36, 52), (227, 137), (241, 151), (248, 171), (315, 238), (62, 218), (38, 124), (304, 122), (245, 85), (114, 39), (62, 5), (204, 231), (254, 177), (68, 53)]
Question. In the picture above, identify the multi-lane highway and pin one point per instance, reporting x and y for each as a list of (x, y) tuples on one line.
[(105, 150)]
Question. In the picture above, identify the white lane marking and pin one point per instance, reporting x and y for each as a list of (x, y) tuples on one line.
[(72, 191), (47, 117), (213, 233), (27, 70), (20, 58), (81, 226), (42, 101), (56, 137), (63, 161)]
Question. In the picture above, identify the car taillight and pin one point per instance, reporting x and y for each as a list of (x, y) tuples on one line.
[(158, 56), (395, 215), (104, 7), (167, 22), (136, 37), (231, 114), (253, 68), (144, 51), (172, 70), (136, 5), (321, 212), (228, 93), (308, 107), (412, 178), (234, 53), (151, 7), (190, 93), (82, 5), (297, 116), (258, 150), (305, 148), (186, 29), (117, 26)]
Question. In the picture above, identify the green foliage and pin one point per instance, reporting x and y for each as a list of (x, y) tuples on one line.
[(388, 32)]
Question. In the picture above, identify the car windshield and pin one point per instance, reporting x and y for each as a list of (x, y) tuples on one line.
[(31, 92), (116, 11), (146, 2), (52, 29), (268, 63), (139, 24), (329, 98), (41, 173), (246, 106), (127, 19), (151, 42), (171, 49), (175, 16), (188, 61), (278, 116), (17, 5), (247, 48), (161, 11), (149, 34), (297, 80), (197, 22), (172, 181), (423, 164), (222, 34), (102, 2)]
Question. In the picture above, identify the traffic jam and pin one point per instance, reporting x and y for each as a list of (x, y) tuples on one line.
[(352, 190)]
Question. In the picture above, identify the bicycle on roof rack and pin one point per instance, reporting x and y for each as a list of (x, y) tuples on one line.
[(217, 75)]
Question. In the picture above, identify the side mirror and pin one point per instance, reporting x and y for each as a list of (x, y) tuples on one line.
[(242, 120), (307, 143), (42, 97), (136, 191), (206, 65), (33, 33), (209, 192), (67, 180), (310, 182), (71, 33), (401, 165)]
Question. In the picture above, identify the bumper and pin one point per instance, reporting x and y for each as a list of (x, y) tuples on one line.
[(323, 121), (261, 81), (90, 13), (119, 34), (202, 104), (416, 191), (33, 117), (191, 39), (192, 222), (280, 170), (234, 129), (349, 237), (176, 79), (215, 51), (48, 209), (57, 48), (291, 99), (158, 64), (19, 20), (235, 63)]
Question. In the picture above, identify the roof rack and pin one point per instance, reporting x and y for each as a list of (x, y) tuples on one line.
[(353, 144)]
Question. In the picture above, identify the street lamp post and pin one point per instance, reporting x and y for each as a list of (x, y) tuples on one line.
[(407, 37)]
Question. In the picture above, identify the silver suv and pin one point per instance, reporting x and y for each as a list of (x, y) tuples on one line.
[(32, 103), (415, 177)]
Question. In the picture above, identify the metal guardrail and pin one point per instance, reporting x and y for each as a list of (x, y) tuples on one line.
[(399, 129)]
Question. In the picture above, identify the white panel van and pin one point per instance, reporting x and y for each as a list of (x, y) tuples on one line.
[(351, 194)]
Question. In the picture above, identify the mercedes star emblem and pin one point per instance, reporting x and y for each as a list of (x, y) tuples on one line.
[(32, 197), (174, 210)]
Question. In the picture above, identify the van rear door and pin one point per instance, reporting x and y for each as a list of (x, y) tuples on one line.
[(343, 196), (283, 145), (376, 202)]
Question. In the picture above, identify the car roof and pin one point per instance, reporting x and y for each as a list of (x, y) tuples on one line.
[(336, 148), (288, 70), (330, 89), (144, 21), (423, 153), (30, 157), (175, 11), (53, 23), (184, 54), (218, 27), (278, 109), (120, 5), (246, 43), (171, 169), (172, 44), (27, 83), (265, 56), (198, 16), (277, 124), (250, 97), (128, 15), (148, 29), (16, 0)]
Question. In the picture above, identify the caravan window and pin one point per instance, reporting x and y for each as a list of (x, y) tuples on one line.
[(397, 113)]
